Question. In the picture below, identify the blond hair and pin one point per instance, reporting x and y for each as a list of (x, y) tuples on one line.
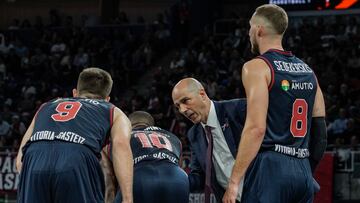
[(274, 15)]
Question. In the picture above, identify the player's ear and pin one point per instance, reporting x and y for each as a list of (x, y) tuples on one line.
[(107, 98), (75, 93), (260, 31)]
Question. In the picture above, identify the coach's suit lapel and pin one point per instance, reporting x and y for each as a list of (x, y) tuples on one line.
[(225, 127), (200, 133)]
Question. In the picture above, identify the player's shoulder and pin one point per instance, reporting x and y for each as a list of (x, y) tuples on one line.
[(255, 64), (158, 129), (55, 100), (230, 105), (255, 67), (51, 103), (231, 101)]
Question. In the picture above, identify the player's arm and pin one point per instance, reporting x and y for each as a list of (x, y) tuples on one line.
[(256, 77), (121, 154), (26, 137), (318, 134), (109, 176)]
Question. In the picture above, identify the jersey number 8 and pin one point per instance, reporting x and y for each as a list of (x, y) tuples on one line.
[(298, 125)]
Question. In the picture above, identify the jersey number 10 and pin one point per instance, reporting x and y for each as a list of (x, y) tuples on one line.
[(298, 125), (153, 140)]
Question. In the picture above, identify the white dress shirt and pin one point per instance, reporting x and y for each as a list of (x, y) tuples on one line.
[(223, 160)]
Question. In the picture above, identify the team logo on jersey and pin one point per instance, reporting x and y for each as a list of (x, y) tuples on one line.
[(285, 85)]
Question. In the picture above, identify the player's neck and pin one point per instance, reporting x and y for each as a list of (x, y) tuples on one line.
[(270, 44), (89, 96)]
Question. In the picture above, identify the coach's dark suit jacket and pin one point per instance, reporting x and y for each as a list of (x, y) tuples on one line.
[(231, 115)]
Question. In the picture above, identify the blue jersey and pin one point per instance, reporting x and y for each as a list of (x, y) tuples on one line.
[(291, 99), (77, 120), (157, 176), (152, 144)]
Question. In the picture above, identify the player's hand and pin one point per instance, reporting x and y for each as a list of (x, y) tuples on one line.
[(231, 193)]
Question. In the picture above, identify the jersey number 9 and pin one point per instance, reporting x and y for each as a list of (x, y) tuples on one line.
[(66, 111)]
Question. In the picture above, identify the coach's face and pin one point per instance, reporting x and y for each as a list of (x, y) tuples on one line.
[(192, 104)]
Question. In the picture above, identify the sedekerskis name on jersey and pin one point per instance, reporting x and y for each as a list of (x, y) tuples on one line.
[(51, 135), (292, 151), (292, 67)]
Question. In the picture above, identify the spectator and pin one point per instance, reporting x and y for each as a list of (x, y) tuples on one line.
[(3, 48), (338, 127), (15, 25), (7, 114), (27, 103), (55, 20), (20, 49), (28, 90), (59, 47), (38, 23), (18, 128), (5, 128), (25, 24), (177, 61), (2, 70), (352, 27), (81, 59)]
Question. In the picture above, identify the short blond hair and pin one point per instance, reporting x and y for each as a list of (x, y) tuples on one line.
[(274, 15)]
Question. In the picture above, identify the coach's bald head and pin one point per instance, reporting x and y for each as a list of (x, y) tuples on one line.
[(190, 98), (141, 119)]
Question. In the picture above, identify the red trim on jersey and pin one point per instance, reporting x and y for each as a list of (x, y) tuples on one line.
[(107, 141), (315, 77), (39, 109), (181, 154), (112, 115), (271, 70), (289, 53)]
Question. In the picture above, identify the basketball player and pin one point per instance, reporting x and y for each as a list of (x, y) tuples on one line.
[(58, 159), (158, 177), (285, 107)]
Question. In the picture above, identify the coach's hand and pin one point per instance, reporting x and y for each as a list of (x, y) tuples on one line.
[(231, 193)]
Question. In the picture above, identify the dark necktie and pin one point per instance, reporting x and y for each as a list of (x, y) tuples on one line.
[(208, 174)]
